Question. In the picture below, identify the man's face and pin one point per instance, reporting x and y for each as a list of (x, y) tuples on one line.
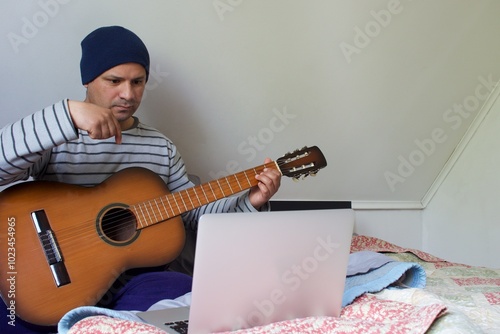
[(119, 89)]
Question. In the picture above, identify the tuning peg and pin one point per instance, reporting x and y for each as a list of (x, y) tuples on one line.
[(295, 179)]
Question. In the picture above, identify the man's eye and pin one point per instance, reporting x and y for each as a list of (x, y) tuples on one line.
[(113, 81)]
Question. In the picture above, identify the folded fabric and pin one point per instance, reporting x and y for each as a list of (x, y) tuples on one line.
[(364, 261), (80, 313), (101, 324), (376, 272)]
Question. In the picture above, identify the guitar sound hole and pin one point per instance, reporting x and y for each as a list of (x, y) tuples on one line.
[(118, 225)]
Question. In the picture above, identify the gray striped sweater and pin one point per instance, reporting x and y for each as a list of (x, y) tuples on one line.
[(46, 146)]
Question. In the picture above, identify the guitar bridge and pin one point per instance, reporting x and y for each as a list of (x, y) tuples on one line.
[(50, 248)]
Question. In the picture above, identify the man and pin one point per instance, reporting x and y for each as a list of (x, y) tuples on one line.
[(84, 143)]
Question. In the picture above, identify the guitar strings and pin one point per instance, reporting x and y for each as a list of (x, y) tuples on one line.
[(123, 218)]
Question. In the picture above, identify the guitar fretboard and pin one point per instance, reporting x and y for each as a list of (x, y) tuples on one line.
[(165, 207)]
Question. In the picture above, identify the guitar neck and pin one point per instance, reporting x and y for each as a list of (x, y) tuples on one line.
[(168, 206)]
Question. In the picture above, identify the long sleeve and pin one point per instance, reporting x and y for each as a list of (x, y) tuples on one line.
[(239, 203), (25, 144), (46, 146)]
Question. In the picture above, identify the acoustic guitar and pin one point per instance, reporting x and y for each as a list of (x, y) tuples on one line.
[(62, 246)]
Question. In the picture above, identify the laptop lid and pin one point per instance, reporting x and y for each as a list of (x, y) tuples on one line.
[(252, 269)]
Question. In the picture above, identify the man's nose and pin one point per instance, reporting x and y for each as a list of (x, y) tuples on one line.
[(126, 91)]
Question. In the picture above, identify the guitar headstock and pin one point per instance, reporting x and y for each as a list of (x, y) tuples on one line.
[(303, 162)]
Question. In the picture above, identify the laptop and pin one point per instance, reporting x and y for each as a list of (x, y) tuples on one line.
[(253, 269)]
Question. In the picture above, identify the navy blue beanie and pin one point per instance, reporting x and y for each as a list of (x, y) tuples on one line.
[(108, 47)]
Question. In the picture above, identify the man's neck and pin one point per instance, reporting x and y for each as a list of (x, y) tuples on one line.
[(127, 124)]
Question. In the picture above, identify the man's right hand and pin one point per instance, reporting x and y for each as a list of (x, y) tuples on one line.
[(99, 122)]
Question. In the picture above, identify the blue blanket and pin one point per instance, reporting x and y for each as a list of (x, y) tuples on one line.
[(371, 272)]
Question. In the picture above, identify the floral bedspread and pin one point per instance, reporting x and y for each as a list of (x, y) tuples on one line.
[(471, 294), (368, 314), (457, 299)]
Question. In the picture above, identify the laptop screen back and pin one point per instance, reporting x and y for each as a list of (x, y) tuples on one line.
[(252, 269)]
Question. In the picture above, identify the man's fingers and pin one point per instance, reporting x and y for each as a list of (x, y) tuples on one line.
[(118, 131), (99, 122), (118, 137)]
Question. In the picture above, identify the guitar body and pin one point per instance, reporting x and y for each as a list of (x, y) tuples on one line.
[(63, 246), (94, 253)]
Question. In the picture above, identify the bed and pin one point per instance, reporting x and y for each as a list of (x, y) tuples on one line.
[(456, 299)]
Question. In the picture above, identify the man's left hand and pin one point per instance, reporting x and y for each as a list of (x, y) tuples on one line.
[(269, 183)]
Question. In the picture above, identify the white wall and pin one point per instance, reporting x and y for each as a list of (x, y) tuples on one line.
[(401, 227), (458, 218), (366, 81), (386, 88), (462, 221)]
